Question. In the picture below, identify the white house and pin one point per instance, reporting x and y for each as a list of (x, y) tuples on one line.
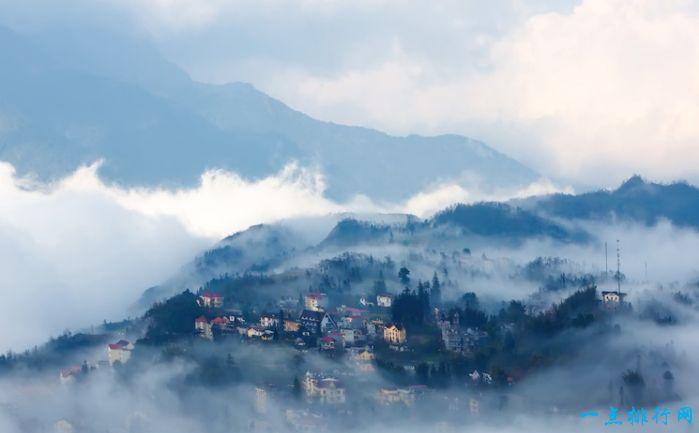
[(384, 300), (119, 352), (269, 321), (69, 375), (327, 390), (209, 299)]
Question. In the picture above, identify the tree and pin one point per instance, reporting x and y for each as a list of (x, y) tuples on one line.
[(436, 291), (379, 285), (470, 300), (409, 307), (404, 276), (296, 390)]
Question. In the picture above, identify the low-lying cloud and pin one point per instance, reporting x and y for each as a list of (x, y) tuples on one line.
[(78, 251)]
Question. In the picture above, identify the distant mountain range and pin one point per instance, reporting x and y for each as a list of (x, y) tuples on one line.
[(555, 217), (636, 200), (67, 100)]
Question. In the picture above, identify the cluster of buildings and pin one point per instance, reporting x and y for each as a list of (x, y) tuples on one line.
[(316, 325), (457, 339), (117, 353)]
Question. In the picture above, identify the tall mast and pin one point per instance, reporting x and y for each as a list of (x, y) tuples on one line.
[(606, 261), (618, 267)]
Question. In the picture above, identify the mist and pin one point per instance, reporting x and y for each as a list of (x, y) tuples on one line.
[(79, 251)]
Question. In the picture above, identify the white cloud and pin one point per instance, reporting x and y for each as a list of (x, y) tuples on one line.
[(428, 202), (610, 86), (78, 251)]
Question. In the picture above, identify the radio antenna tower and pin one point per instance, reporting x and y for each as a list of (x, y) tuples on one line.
[(606, 261), (618, 266)]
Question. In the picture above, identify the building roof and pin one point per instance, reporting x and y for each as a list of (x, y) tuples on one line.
[(315, 295), (615, 292), (118, 345), (211, 295), (312, 315), (394, 325), (201, 319)]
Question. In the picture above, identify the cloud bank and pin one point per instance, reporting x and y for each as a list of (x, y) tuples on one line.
[(79, 251)]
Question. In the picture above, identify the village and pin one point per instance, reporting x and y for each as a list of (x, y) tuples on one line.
[(362, 342)]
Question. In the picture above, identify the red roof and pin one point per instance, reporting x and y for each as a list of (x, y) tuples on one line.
[(315, 295), (119, 345), (201, 319), (211, 295), (327, 339), (219, 321)]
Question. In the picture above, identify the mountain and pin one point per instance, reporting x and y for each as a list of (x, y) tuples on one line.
[(67, 100), (455, 230), (258, 249), (636, 200), (503, 221)]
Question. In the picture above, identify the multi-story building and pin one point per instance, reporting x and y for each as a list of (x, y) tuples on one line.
[(394, 334)]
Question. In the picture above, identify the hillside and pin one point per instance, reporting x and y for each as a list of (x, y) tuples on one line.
[(636, 200)]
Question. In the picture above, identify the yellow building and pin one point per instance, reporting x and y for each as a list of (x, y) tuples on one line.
[(394, 334)]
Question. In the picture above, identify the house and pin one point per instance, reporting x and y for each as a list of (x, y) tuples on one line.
[(457, 340), (210, 299), (291, 326), (331, 391), (264, 394), (316, 322), (269, 320), (235, 316), (374, 327), (261, 400), (384, 300), (70, 375), (352, 337), (119, 352), (394, 334), (484, 378), (327, 343), (363, 355), (326, 390), (614, 299), (255, 332), (394, 395), (203, 327), (63, 426), (365, 302), (473, 406), (315, 301), (219, 322)]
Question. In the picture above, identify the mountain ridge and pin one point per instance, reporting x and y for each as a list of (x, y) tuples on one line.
[(153, 125)]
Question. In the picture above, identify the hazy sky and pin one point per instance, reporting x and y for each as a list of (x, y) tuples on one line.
[(573, 89)]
